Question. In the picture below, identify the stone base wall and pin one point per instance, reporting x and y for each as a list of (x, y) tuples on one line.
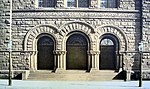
[(19, 59)]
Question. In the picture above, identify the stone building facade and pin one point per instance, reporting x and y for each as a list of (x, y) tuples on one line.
[(75, 38)]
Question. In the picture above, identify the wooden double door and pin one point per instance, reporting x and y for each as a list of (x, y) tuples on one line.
[(77, 47), (45, 60), (107, 54)]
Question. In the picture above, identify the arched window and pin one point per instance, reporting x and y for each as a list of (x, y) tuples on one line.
[(46, 3), (77, 3), (108, 3), (107, 41)]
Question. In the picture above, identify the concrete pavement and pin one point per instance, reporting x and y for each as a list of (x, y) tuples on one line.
[(26, 84)]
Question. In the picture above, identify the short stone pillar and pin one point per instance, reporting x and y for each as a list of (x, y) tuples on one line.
[(94, 60), (60, 62), (127, 66)]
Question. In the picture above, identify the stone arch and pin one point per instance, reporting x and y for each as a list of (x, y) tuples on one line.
[(81, 33), (35, 32), (76, 26), (71, 28), (116, 32)]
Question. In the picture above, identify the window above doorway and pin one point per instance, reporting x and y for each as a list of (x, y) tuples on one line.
[(46, 3), (78, 3), (108, 3), (107, 41)]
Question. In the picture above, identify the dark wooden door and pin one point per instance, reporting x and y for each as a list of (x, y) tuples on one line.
[(45, 53), (76, 52), (107, 54)]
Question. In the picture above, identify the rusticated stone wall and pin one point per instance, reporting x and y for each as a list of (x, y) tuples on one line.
[(146, 38)]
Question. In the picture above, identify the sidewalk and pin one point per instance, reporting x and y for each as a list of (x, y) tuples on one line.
[(25, 84)]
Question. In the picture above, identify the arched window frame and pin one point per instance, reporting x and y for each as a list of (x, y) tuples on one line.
[(107, 41)]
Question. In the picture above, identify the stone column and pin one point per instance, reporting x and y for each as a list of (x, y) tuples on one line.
[(33, 60), (120, 62), (117, 61), (60, 61), (55, 61), (94, 60), (89, 62)]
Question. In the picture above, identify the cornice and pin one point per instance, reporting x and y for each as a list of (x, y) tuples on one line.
[(76, 10)]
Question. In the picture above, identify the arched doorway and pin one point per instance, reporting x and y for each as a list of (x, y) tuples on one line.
[(77, 47), (45, 57), (108, 48)]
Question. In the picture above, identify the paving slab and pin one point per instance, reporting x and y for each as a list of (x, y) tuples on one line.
[(26, 84)]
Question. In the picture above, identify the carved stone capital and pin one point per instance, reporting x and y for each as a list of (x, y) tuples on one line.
[(31, 52), (128, 62), (94, 52), (59, 52)]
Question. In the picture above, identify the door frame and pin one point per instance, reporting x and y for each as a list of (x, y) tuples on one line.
[(49, 60), (117, 46), (88, 47), (36, 52)]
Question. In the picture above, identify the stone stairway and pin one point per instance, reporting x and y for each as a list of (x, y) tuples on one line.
[(102, 75)]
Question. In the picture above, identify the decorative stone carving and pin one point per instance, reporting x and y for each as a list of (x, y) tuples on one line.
[(94, 52), (128, 63), (59, 52), (32, 34), (117, 32), (76, 14), (76, 26), (94, 3), (59, 3)]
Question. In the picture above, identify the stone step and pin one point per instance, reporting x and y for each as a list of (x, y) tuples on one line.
[(72, 75)]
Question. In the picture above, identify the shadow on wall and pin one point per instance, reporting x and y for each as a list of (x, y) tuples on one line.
[(17, 76)]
